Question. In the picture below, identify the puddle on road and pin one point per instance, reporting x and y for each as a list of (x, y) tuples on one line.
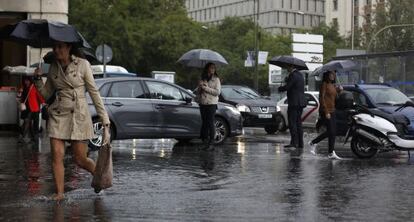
[(241, 180)]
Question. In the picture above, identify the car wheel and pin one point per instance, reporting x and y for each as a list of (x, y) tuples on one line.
[(280, 123), (96, 141), (222, 130), (270, 129)]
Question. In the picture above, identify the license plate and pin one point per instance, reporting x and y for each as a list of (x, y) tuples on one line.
[(265, 116)]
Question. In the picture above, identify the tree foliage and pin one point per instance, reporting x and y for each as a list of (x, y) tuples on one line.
[(391, 12), (149, 35)]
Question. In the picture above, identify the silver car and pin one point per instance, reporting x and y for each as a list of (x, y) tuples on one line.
[(310, 112), (150, 108)]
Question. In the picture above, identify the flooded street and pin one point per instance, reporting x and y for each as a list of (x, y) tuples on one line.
[(251, 178)]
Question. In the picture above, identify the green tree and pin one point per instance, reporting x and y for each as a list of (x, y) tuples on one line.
[(391, 12), (331, 39), (149, 35)]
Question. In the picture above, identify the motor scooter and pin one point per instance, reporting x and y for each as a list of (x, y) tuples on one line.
[(374, 131)]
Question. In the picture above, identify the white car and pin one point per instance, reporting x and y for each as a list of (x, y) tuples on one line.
[(310, 112)]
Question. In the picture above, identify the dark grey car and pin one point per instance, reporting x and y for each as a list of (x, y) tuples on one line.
[(149, 108)]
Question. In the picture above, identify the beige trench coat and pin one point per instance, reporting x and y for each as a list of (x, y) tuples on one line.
[(69, 117)]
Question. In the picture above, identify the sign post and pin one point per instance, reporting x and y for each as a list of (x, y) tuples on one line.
[(309, 48), (104, 55)]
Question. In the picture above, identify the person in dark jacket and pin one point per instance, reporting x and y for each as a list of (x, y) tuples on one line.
[(295, 87)]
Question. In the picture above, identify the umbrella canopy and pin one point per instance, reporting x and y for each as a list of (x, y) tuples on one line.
[(41, 33), (335, 65), (285, 61), (200, 57)]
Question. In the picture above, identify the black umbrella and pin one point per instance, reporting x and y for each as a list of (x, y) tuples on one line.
[(285, 61), (335, 65), (41, 33)]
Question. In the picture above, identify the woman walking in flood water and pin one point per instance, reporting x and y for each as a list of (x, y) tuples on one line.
[(69, 78)]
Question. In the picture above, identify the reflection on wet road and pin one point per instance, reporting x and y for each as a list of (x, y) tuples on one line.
[(247, 179)]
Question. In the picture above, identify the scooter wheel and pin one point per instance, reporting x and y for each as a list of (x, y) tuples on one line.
[(362, 148)]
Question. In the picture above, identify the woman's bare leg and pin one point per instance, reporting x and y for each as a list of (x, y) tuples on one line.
[(58, 153), (80, 150)]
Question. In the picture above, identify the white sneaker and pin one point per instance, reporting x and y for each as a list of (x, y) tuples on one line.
[(312, 148), (334, 156)]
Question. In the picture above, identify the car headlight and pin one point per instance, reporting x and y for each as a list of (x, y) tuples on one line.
[(233, 110), (243, 108)]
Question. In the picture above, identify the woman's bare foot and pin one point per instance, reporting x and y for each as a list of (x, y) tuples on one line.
[(58, 196)]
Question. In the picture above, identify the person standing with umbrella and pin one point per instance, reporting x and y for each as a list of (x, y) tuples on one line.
[(208, 89), (327, 96), (295, 88), (69, 120), (207, 92)]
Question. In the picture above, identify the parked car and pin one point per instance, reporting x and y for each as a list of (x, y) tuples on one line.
[(257, 111), (377, 97), (114, 74), (310, 113), (150, 108), (109, 68)]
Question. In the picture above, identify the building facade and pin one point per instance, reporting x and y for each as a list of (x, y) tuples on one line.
[(14, 11), (349, 15), (276, 16)]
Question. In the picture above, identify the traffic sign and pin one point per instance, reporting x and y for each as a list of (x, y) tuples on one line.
[(103, 53)]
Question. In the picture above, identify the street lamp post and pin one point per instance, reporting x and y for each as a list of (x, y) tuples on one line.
[(256, 44), (384, 28)]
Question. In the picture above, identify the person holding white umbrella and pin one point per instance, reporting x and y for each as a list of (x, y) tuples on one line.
[(208, 89), (208, 92)]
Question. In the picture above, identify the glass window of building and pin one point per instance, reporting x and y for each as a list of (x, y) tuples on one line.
[(303, 20), (277, 17), (335, 5), (287, 18), (294, 19)]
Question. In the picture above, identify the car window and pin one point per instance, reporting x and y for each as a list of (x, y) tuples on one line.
[(359, 98), (159, 90), (310, 100), (387, 96), (104, 89), (130, 89)]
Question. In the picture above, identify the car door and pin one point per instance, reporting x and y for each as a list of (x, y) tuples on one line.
[(175, 116), (131, 109), (310, 112)]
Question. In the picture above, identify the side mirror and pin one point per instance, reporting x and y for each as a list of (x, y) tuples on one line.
[(188, 99)]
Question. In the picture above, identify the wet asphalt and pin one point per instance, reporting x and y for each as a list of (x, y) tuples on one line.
[(249, 178)]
